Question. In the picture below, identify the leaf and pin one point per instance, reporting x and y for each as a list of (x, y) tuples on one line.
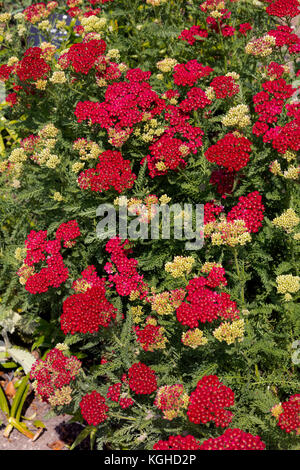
[(81, 436), (10, 390), (56, 445), (22, 357), (39, 424)]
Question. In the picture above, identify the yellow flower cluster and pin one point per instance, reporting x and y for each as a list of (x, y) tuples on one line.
[(194, 338), (276, 410), (44, 25), (292, 173), (171, 399), (41, 84), (58, 77), (155, 3), (289, 156), (134, 295), (42, 154), (229, 332), (151, 130), (164, 199), (118, 137), (287, 284), (237, 116), (167, 302), (48, 131), (76, 167), (5, 17), (20, 254), (93, 24), (208, 266), (61, 396), (180, 266), (228, 233), (261, 47), (288, 220), (88, 150), (113, 54), (166, 65), (210, 93), (57, 196), (137, 313)]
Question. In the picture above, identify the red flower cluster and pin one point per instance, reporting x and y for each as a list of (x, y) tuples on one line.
[(114, 392), (244, 28), (83, 56), (286, 37), (287, 137), (39, 11), (234, 439), (38, 249), (142, 379), (125, 104), (211, 210), (250, 209), (193, 34), (126, 279), (5, 72), (87, 309), (32, 66), (205, 305), (216, 277), (224, 87), (178, 443), (188, 74), (126, 403), (53, 373), (231, 151), (149, 337), (289, 419), (196, 99), (282, 8), (166, 152), (209, 400), (93, 408), (112, 171), (68, 232)]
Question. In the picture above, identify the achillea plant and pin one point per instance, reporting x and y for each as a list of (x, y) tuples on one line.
[(152, 343)]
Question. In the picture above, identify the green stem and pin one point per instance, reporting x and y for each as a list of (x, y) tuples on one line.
[(240, 275)]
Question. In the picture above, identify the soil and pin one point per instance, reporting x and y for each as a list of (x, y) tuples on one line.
[(59, 433)]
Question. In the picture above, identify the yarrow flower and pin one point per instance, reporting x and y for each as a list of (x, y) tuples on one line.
[(208, 402), (171, 400), (53, 377), (287, 284), (180, 266), (288, 220), (38, 249), (87, 309), (112, 171), (93, 408), (234, 439), (142, 379), (193, 338), (123, 274), (230, 332), (205, 305), (178, 443), (231, 151), (151, 337), (288, 418)]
